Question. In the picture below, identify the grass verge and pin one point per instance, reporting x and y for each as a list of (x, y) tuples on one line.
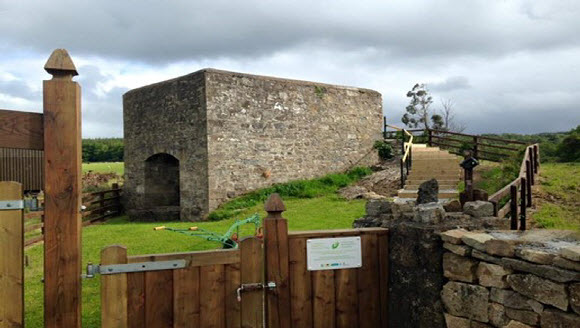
[(326, 185), (558, 196)]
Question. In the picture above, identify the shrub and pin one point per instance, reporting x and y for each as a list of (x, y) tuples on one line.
[(385, 150)]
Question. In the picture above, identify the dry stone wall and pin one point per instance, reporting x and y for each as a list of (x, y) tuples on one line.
[(511, 279), (233, 133)]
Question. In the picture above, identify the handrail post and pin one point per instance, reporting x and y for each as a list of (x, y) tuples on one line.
[(402, 174), (528, 185), (475, 148), (514, 207), (523, 204), (384, 127), (536, 159), (532, 161)]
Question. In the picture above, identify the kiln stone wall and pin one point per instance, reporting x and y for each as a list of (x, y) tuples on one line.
[(234, 133), (264, 130), (167, 117)]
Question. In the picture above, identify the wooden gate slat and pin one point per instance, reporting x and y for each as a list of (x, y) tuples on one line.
[(186, 297), (383, 254), (324, 300), (252, 268), (114, 290), (159, 299), (232, 276), (346, 298), (300, 285), (368, 283), (211, 294), (136, 300), (11, 259)]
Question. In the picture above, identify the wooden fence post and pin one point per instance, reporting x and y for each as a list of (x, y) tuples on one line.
[(523, 204), (430, 137), (11, 258), (62, 171), (513, 207), (276, 261), (475, 147)]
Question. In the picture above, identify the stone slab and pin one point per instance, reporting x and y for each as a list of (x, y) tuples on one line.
[(453, 236), (459, 268), (515, 300), (575, 297), (465, 300), (571, 253), (535, 255), (500, 247), (546, 271), (461, 250), (517, 324), (487, 258), (552, 318), (476, 240), (492, 275), (527, 317), (566, 264), (542, 290), (497, 316)]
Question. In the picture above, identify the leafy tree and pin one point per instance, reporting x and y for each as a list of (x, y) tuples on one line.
[(569, 148), (418, 112)]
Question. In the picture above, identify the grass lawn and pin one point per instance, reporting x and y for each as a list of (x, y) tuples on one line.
[(326, 212), (105, 167), (558, 196)]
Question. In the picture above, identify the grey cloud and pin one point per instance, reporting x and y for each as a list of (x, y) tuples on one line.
[(450, 84), (163, 32)]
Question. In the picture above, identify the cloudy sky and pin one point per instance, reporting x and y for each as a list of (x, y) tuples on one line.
[(508, 66)]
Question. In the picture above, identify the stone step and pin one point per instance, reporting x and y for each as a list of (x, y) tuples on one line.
[(441, 186), (435, 173), (436, 168), (448, 193), (441, 182), (434, 176), (433, 155)]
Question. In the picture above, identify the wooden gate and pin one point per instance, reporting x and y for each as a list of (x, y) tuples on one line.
[(11, 255), (204, 293)]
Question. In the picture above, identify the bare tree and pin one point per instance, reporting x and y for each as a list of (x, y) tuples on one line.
[(448, 117)]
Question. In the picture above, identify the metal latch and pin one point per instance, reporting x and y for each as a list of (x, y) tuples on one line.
[(253, 287), (93, 269), (11, 205)]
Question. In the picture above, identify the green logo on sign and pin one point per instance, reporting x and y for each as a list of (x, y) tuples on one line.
[(335, 245)]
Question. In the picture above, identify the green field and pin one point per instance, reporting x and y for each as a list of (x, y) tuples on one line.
[(105, 167), (326, 212), (558, 196)]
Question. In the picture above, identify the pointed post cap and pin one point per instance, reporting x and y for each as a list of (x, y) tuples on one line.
[(59, 64), (274, 204)]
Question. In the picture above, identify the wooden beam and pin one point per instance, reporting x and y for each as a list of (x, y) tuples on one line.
[(62, 216), (21, 130), (11, 259)]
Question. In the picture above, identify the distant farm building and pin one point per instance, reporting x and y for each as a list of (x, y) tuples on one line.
[(194, 142), (24, 166)]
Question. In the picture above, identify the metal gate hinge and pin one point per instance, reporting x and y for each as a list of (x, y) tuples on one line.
[(93, 269), (11, 205)]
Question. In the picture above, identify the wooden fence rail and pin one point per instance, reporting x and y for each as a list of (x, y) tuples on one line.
[(99, 206)]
